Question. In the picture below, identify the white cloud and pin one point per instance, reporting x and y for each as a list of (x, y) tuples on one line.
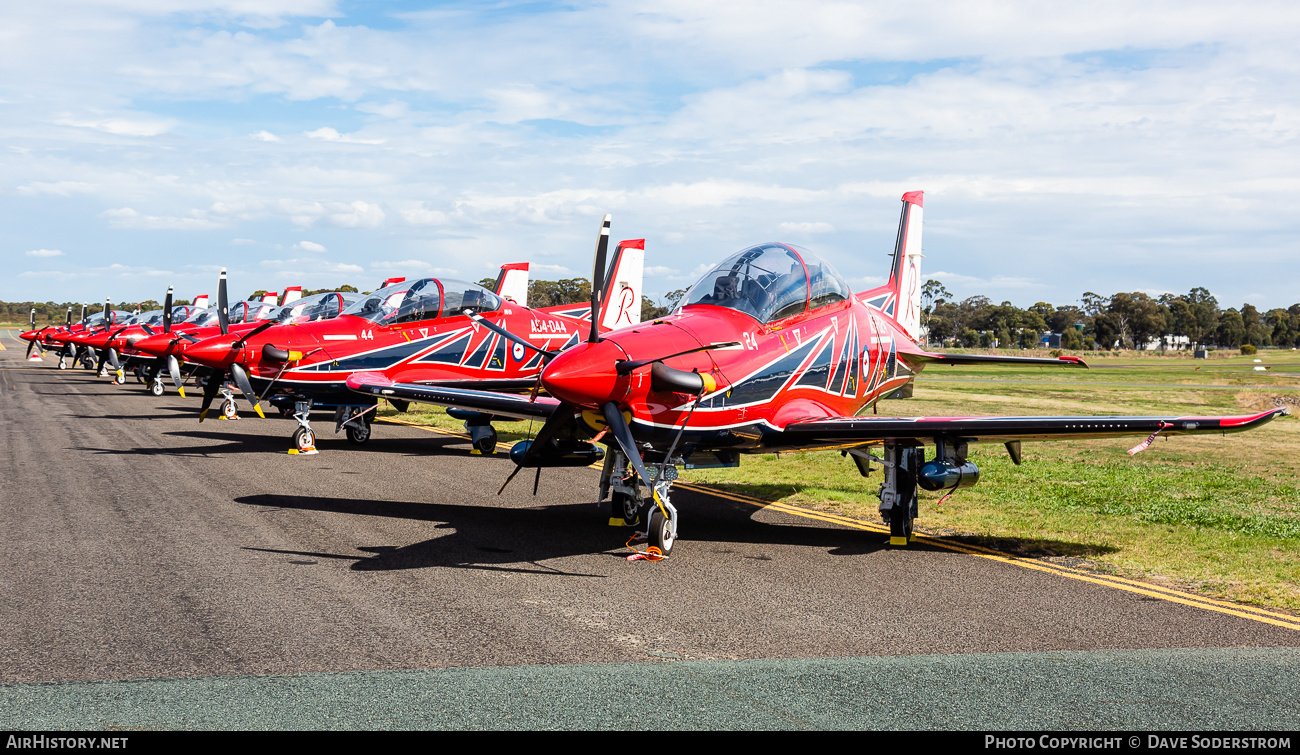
[(265, 136), (56, 188), (330, 135), (309, 246), (410, 267), (807, 227), (659, 270), (121, 126), (45, 253)]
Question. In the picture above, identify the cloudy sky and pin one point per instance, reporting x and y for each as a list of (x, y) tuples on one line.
[(1109, 146)]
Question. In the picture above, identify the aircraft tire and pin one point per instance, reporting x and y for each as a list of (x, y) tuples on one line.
[(304, 439), (63, 365), (487, 444), (228, 409), (626, 507), (119, 379), (660, 531), (358, 434), (156, 388)]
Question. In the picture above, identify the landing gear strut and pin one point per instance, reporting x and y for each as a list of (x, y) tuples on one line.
[(228, 409), (630, 503), (356, 421), (304, 438), (898, 501)]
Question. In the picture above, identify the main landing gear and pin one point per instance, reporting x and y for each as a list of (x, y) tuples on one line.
[(633, 504), (355, 421), (898, 499), (482, 434)]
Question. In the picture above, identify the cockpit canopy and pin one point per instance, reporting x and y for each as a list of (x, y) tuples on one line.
[(771, 282), (424, 299), (316, 307)]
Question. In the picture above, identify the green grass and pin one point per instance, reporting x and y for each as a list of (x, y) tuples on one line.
[(1216, 514)]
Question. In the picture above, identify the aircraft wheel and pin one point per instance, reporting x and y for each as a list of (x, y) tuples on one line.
[(487, 443), (156, 388), (660, 532), (625, 507), (359, 433), (228, 409), (63, 365), (119, 378), (304, 439)]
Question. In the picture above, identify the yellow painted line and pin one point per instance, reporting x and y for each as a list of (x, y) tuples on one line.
[(1119, 583)]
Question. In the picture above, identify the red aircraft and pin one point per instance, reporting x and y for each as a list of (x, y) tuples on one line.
[(771, 350), (428, 331)]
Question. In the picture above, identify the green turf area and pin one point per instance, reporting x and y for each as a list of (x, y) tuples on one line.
[(1219, 515)]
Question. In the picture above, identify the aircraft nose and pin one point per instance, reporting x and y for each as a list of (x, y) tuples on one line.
[(217, 351), (155, 344), (28, 336), (586, 374)]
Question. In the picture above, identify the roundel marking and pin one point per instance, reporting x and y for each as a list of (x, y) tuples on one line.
[(517, 351)]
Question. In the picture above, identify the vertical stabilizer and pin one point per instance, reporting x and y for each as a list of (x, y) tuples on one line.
[(512, 283), (391, 281), (291, 295), (272, 298), (905, 278), (621, 303), (201, 301)]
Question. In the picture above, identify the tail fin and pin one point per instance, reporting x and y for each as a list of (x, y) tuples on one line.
[(621, 302), (272, 298), (390, 281), (900, 298), (200, 301), (291, 295), (512, 283)]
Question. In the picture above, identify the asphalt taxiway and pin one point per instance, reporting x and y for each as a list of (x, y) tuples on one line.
[(150, 558)]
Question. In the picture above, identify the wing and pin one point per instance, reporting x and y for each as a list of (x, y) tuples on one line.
[(488, 402), (1005, 429), (994, 359)]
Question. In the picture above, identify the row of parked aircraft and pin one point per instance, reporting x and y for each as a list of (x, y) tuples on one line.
[(769, 350)]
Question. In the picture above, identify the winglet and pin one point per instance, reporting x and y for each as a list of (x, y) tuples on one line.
[(362, 380)]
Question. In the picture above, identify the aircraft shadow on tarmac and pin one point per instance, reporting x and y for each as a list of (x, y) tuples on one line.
[(489, 537), (221, 443)]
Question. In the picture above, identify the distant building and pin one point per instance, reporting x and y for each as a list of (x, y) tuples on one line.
[(1168, 343)]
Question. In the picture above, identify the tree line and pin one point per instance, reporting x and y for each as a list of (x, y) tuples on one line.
[(1120, 321)]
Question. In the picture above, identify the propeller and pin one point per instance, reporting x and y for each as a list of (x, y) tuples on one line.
[(598, 278), (245, 387), (210, 390), (167, 311), (32, 344), (223, 310), (174, 367), (626, 366)]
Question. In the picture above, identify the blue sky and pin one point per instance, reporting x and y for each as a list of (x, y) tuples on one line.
[(1112, 146)]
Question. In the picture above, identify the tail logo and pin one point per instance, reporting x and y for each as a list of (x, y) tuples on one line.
[(624, 304)]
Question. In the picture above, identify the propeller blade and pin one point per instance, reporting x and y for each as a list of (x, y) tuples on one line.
[(69, 321), (167, 312), (210, 391), (174, 367), (253, 332), (30, 345), (99, 365), (223, 310), (623, 434), (481, 320), (245, 387), (113, 359), (626, 366), (190, 338), (598, 277), (33, 327), (562, 415), (145, 327)]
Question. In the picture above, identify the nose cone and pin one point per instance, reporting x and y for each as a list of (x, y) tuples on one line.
[(96, 341), (218, 351), (156, 344), (29, 335), (587, 374)]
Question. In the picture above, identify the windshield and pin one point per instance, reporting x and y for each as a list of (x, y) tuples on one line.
[(204, 317), (150, 318), (250, 311), (767, 282), (317, 307), (461, 298), (423, 299)]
